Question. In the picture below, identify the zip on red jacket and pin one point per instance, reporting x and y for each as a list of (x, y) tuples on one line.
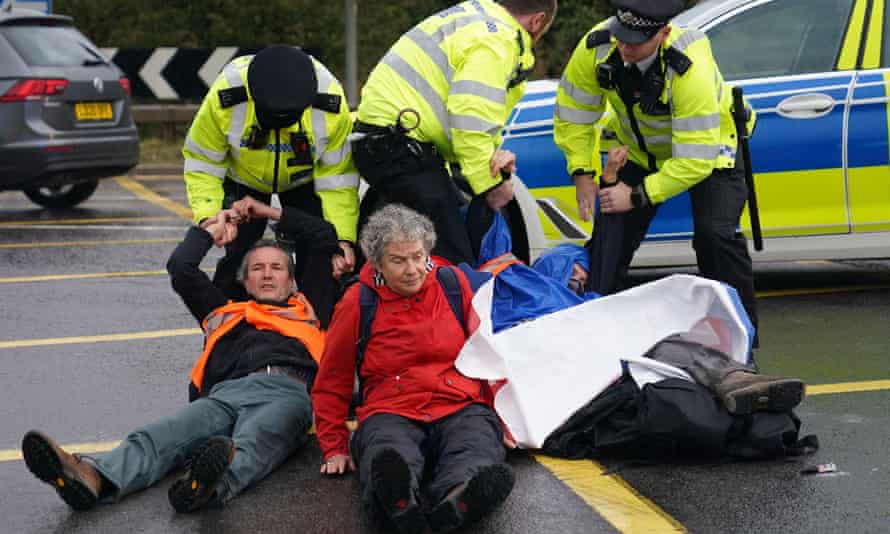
[(408, 368)]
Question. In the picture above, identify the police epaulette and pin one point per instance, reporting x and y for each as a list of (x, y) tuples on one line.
[(677, 60), (594, 39), (327, 102), (232, 96)]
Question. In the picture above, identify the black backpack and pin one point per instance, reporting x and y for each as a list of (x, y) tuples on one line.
[(447, 278)]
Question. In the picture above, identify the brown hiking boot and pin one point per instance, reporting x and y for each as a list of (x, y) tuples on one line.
[(76, 481), (743, 392)]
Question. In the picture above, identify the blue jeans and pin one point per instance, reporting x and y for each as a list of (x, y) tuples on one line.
[(267, 416)]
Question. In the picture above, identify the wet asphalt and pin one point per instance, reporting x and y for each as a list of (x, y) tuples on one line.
[(87, 391)]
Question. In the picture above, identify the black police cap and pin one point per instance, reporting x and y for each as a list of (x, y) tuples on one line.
[(637, 21), (282, 83)]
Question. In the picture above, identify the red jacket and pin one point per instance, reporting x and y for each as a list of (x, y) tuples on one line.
[(408, 368)]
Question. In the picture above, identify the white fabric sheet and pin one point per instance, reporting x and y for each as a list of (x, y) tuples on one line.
[(556, 363)]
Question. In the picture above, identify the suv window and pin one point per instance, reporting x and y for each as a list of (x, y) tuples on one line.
[(781, 38), (51, 46)]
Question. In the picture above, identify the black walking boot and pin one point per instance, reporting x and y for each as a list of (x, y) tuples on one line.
[(207, 465), (392, 486), (473, 500)]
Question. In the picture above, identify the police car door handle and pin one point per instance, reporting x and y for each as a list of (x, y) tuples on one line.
[(807, 106)]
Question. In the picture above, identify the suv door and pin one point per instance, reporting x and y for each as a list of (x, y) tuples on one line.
[(784, 54), (868, 153)]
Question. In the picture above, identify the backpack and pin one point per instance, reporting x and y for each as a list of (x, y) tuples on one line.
[(447, 278)]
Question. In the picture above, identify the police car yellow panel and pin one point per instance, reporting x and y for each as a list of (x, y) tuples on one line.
[(816, 71)]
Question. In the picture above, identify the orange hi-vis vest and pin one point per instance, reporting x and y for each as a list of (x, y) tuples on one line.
[(499, 263), (297, 320)]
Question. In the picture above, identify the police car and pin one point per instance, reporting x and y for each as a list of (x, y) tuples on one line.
[(817, 73)]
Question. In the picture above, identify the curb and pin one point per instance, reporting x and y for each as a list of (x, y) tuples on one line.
[(157, 169)]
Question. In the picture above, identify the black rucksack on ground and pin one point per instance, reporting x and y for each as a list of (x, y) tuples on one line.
[(672, 419)]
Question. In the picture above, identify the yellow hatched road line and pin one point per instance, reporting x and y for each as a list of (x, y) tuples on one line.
[(820, 290), (150, 196), (89, 221), (98, 339), (50, 244), (13, 455), (610, 496)]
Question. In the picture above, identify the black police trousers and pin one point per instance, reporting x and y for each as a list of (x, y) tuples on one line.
[(403, 170), (441, 454), (313, 273), (720, 249)]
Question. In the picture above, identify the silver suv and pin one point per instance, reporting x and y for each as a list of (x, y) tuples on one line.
[(64, 111)]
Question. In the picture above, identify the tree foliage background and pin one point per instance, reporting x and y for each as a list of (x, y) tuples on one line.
[(310, 23)]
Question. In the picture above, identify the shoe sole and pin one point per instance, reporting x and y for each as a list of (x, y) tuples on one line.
[(484, 492), (390, 468), (43, 461), (776, 396), (209, 463)]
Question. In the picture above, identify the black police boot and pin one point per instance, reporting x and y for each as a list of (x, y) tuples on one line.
[(394, 492), (473, 500), (207, 465)]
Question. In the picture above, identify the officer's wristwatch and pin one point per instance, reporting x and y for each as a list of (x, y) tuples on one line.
[(638, 197)]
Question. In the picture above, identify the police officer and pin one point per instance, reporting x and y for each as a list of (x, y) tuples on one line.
[(276, 122), (670, 108), (441, 95)]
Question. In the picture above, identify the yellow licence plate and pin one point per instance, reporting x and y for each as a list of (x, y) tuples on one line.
[(93, 111)]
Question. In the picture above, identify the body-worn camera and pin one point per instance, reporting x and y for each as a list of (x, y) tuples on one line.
[(299, 143)]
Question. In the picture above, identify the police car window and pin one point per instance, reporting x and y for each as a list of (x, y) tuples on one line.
[(50, 46), (781, 38)]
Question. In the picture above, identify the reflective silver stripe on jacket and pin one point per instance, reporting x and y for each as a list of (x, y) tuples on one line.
[(336, 157), (239, 111), (579, 95), (430, 44), (492, 265), (196, 165), (215, 320), (317, 116), (336, 181), (655, 124), (693, 124), (577, 116), (212, 155), (471, 123), (474, 88), (232, 175), (415, 80), (706, 152)]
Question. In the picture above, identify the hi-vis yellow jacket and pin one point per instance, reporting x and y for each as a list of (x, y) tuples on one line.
[(216, 149), (692, 134), (462, 70)]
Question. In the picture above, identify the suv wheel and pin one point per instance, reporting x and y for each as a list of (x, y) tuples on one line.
[(62, 196)]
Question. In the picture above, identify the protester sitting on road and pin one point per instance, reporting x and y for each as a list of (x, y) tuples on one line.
[(250, 404), (425, 431)]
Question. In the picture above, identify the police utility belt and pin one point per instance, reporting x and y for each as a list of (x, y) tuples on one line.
[(387, 151)]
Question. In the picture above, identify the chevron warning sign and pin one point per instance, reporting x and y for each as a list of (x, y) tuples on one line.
[(168, 73)]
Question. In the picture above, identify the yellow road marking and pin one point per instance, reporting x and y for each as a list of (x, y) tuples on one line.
[(100, 338), (89, 221), (610, 496), (820, 290), (150, 196), (848, 387), (158, 178), (83, 276), (49, 244), (13, 455)]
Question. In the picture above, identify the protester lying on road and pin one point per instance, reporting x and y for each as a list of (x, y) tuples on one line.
[(250, 404), (426, 434)]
